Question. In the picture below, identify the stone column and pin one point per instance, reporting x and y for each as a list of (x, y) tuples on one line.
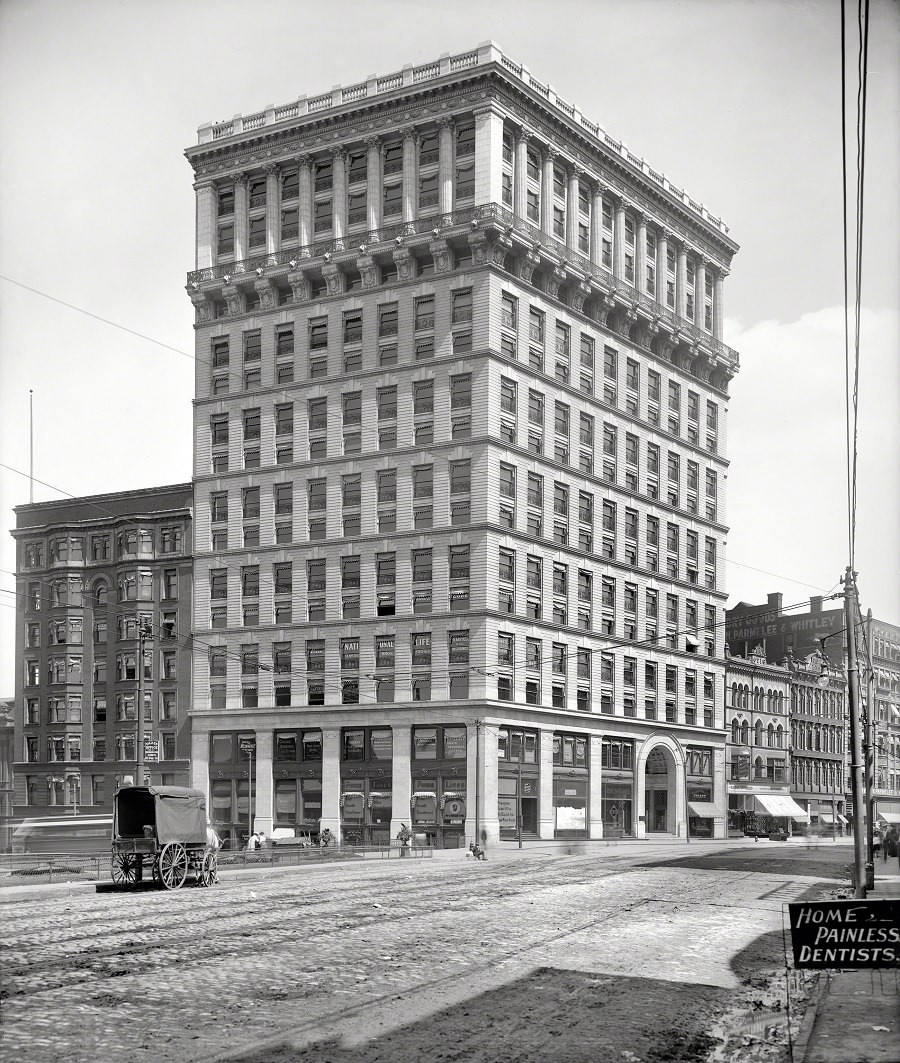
[(331, 781), (305, 200), (373, 184), (487, 784), (273, 208), (546, 811), (550, 157), (718, 305), (596, 224), (445, 164), (681, 281), (595, 787), (207, 224), (473, 783), (699, 292), (264, 805), (720, 792), (401, 779), (200, 763), (339, 194), (488, 156), (640, 256), (572, 209), (520, 175), (619, 240), (241, 223), (410, 169), (662, 266)]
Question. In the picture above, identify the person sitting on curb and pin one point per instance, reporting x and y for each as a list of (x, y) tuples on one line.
[(476, 851)]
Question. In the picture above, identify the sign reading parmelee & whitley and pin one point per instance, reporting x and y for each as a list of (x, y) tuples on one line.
[(851, 934)]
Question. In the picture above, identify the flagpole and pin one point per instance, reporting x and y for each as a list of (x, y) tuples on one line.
[(31, 445)]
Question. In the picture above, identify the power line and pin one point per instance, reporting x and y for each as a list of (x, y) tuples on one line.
[(97, 317)]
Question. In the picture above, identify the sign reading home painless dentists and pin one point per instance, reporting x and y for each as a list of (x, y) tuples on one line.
[(846, 934)]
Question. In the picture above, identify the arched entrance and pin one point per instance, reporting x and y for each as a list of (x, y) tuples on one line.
[(660, 791)]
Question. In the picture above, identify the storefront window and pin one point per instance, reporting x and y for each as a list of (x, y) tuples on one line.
[(425, 743), (354, 745), (616, 806)]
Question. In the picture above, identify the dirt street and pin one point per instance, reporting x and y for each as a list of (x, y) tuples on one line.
[(635, 952)]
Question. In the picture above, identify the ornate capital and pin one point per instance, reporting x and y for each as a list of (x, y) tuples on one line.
[(273, 169), (446, 122), (305, 161), (523, 135), (551, 154), (240, 180), (411, 133), (339, 154), (374, 144)]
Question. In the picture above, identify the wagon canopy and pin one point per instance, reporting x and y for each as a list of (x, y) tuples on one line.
[(177, 813)]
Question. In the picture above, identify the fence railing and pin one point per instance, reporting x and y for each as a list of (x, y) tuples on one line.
[(21, 869)]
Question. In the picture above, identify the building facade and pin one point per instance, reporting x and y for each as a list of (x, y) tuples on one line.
[(883, 641), (803, 636), (460, 452), (819, 762), (758, 700), (90, 572), (781, 634)]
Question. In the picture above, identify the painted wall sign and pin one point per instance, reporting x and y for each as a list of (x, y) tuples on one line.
[(846, 934)]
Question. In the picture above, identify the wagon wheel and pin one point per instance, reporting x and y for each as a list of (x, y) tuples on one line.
[(172, 866), (209, 872), (124, 869)]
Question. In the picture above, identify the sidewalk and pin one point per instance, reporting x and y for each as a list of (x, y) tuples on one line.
[(857, 1016)]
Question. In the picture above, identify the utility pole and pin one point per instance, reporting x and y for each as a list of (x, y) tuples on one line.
[(144, 633), (870, 745), (851, 613), (519, 790)]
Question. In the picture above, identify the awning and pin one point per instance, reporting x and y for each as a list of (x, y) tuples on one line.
[(705, 809), (888, 817), (842, 819), (826, 817), (778, 805)]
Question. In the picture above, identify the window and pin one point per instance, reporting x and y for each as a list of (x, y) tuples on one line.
[(424, 313), (353, 326), (461, 392)]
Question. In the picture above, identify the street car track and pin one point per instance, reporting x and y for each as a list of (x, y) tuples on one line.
[(101, 950), (298, 1032)]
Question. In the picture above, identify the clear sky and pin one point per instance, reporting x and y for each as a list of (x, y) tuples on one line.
[(738, 101)]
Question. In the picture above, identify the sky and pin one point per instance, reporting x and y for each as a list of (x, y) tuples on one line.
[(737, 101)]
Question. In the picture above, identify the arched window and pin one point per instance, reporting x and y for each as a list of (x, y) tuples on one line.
[(735, 732), (745, 733), (779, 737), (770, 735), (758, 733), (809, 736), (734, 696), (758, 770), (818, 737), (100, 593)]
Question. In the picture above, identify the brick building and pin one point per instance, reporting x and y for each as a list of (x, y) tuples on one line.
[(460, 452), (819, 740), (884, 641), (89, 571)]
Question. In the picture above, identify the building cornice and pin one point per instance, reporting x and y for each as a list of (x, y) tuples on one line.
[(322, 120)]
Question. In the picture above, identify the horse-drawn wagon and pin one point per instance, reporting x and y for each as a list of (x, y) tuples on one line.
[(162, 829)]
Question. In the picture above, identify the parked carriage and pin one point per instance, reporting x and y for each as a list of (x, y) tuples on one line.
[(163, 830)]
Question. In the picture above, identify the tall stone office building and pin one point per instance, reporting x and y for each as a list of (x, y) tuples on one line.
[(460, 455)]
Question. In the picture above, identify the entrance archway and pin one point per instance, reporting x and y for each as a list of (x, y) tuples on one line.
[(660, 791)]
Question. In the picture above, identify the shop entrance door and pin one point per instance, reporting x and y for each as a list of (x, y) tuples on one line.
[(660, 810)]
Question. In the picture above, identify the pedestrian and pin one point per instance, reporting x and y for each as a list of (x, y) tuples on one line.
[(326, 838), (253, 843)]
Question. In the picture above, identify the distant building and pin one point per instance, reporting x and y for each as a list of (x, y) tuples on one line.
[(460, 463), (779, 634), (802, 636), (89, 572), (757, 707), (885, 720)]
